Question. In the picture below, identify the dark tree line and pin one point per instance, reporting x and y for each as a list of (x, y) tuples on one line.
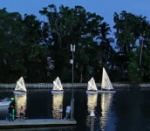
[(40, 50)]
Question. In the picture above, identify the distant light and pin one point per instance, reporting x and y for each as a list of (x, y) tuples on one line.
[(71, 61)]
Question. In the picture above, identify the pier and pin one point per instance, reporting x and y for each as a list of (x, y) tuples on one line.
[(117, 86), (70, 128), (27, 123)]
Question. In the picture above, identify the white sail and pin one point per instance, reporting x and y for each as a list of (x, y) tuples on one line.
[(57, 101), (57, 84), (91, 84), (106, 83), (20, 85)]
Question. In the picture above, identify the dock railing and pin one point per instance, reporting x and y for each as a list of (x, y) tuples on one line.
[(76, 85)]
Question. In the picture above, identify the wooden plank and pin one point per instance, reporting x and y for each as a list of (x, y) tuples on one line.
[(35, 123), (41, 128)]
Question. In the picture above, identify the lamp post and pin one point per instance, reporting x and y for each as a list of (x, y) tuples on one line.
[(72, 48)]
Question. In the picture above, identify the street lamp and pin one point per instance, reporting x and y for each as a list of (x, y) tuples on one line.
[(72, 48)]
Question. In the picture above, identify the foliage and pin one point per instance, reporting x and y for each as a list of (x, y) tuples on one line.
[(40, 50)]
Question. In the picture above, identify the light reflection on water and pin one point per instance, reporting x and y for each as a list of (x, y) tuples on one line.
[(20, 100), (57, 101), (3, 112), (122, 111), (91, 104), (106, 113)]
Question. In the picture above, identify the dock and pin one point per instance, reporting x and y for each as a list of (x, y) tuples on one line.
[(66, 86), (66, 128), (26, 123)]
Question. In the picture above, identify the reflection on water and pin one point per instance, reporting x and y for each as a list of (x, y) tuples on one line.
[(3, 111), (91, 104), (106, 104), (57, 101), (122, 111), (20, 100)]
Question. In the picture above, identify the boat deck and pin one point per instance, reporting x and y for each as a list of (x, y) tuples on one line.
[(36, 123)]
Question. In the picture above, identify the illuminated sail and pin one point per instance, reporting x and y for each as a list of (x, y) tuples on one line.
[(57, 84), (106, 83), (91, 84), (20, 85)]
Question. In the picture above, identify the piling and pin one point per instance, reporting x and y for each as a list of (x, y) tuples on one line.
[(72, 109), (92, 115)]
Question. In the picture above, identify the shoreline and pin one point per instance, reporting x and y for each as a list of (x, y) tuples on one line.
[(75, 86)]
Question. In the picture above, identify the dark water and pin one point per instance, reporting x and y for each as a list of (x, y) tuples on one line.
[(122, 111)]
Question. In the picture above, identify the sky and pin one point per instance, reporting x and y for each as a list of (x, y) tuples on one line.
[(104, 8)]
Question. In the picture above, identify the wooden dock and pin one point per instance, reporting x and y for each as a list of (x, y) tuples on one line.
[(66, 128), (36, 123), (116, 85)]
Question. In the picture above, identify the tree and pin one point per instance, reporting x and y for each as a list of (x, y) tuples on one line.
[(129, 29)]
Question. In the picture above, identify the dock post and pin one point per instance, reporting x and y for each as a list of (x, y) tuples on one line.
[(72, 48), (92, 115), (72, 108)]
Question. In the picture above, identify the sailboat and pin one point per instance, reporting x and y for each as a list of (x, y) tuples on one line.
[(106, 85), (57, 86), (20, 87), (92, 88)]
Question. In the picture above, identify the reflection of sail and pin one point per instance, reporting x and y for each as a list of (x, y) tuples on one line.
[(57, 101), (105, 119), (20, 100), (91, 103)]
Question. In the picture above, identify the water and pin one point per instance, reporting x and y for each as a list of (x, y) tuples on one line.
[(122, 111)]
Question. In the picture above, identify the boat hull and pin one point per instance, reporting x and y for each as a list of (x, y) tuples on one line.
[(19, 92), (5, 103), (106, 91), (57, 92), (91, 92)]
